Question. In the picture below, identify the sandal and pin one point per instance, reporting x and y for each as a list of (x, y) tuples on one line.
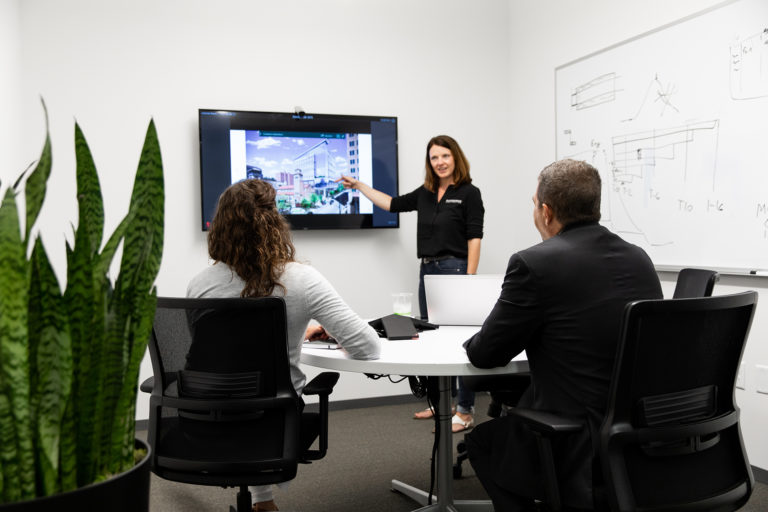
[(460, 425), (428, 413)]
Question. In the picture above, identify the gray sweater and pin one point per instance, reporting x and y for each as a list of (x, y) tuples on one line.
[(308, 295)]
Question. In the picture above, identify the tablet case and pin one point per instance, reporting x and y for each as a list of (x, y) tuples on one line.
[(418, 324), (398, 327)]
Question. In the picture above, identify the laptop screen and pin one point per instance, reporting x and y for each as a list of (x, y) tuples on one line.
[(461, 299)]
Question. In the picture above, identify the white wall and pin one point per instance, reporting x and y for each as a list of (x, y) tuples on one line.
[(9, 89), (439, 66), (481, 71), (545, 34)]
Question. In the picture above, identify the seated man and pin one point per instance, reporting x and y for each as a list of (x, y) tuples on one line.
[(562, 302)]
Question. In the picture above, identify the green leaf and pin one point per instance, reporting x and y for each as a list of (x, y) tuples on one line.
[(69, 364), (9, 482), (36, 183), (68, 447), (148, 206), (86, 339), (86, 305), (89, 200), (134, 329), (115, 356), (51, 364), (132, 303), (16, 449), (104, 260)]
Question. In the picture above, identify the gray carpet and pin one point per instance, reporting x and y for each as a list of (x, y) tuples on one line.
[(368, 447)]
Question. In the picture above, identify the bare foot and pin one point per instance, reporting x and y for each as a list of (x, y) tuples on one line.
[(264, 506), (424, 415)]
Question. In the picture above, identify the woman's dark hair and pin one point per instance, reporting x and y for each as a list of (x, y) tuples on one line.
[(572, 190), (461, 165), (249, 234)]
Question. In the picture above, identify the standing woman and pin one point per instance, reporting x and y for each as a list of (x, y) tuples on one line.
[(449, 230)]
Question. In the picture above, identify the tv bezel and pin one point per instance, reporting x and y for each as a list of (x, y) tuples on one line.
[(307, 122)]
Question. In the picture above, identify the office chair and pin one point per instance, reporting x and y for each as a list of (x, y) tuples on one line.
[(506, 390), (223, 409), (671, 439), (695, 282)]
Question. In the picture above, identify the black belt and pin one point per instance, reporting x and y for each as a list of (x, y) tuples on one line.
[(431, 259)]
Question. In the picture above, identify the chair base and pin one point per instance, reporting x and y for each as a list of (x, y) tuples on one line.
[(244, 503)]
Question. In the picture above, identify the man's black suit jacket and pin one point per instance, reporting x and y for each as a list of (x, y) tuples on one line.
[(562, 302)]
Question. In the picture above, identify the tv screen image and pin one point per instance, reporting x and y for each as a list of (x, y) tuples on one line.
[(304, 157)]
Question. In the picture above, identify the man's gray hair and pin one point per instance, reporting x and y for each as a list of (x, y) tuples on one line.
[(571, 188)]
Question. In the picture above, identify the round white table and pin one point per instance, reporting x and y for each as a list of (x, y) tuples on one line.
[(438, 353)]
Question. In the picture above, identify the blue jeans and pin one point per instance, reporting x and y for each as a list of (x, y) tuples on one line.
[(446, 266), (466, 401)]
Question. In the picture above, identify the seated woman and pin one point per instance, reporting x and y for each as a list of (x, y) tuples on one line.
[(253, 256)]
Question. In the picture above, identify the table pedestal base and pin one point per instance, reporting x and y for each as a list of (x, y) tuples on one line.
[(422, 497), (444, 501)]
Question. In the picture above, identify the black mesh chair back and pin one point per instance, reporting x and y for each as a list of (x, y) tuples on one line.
[(671, 438), (695, 282), (223, 409)]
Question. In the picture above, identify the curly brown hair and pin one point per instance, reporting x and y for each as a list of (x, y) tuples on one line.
[(461, 164), (250, 235)]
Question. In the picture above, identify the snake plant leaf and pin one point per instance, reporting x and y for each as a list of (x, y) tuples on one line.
[(132, 301), (143, 243), (135, 327), (79, 303), (16, 450), (143, 329), (89, 200), (68, 447), (148, 204), (69, 363), (85, 310), (7, 453), (99, 378), (113, 357), (50, 364), (20, 179), (104, 260), (36, 183)]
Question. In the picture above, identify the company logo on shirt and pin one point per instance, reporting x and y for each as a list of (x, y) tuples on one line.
[(456, 201)]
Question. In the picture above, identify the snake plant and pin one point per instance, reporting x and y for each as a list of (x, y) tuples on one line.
[(69, 358)]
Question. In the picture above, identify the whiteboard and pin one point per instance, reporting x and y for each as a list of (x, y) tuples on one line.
[(676, 121)]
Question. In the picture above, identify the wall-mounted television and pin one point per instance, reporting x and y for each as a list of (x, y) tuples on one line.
[(303, 156)]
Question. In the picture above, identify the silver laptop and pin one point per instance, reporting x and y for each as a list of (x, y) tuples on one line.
[(461, 299)]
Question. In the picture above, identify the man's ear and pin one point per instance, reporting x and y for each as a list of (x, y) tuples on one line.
[(546, 213)]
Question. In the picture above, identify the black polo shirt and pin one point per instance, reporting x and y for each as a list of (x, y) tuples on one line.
[(443, 228)]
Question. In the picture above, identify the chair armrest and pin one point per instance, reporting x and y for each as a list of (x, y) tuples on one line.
[(322, 384), (148, 385), (546, 423)]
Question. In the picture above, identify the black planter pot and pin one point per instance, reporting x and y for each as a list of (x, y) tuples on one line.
[(126, 492)]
